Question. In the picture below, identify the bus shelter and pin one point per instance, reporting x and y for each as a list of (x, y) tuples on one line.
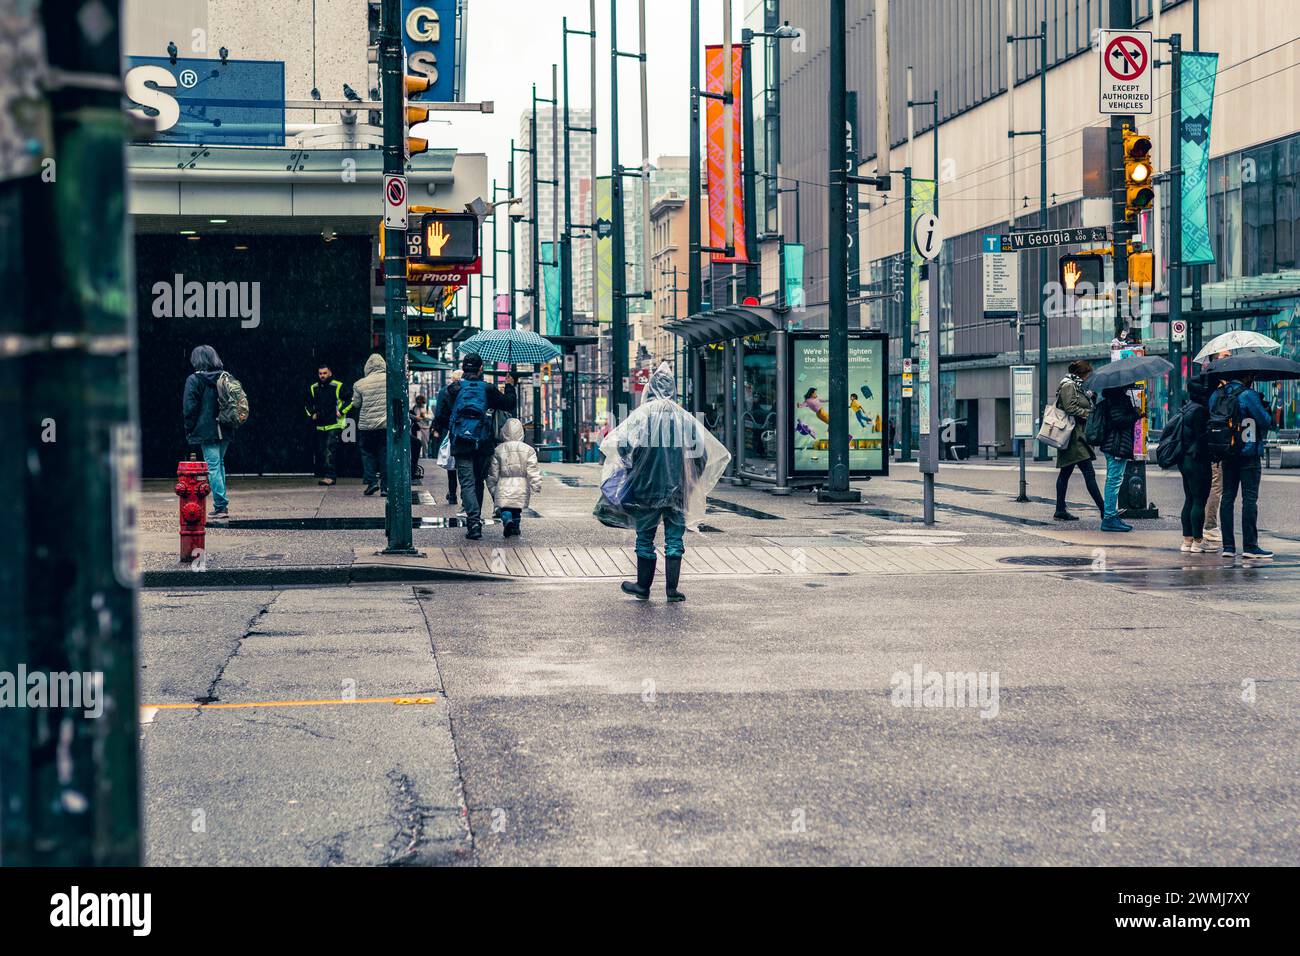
[(759, 378)]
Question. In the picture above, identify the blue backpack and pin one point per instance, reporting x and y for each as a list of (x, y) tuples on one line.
[(470, 419)]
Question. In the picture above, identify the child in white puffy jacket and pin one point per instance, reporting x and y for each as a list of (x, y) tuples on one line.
[(513, 476)]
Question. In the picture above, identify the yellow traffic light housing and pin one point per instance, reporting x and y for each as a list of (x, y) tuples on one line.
[(411, 115), (1141, 269), (1138, 173), (546, 373)]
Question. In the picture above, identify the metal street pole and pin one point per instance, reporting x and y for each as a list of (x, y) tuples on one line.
[(618, 271), (1175, 220), (1011, 202), (752, 283), (569, 381), (510, 231), (694, 279), (1041, 453), (397, 511), (69, 784), (837, 485), (905, 402)]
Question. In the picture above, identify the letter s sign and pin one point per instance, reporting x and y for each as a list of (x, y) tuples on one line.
[(138, 90)]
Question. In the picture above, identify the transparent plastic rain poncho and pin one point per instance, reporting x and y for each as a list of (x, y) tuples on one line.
[(661, 457)]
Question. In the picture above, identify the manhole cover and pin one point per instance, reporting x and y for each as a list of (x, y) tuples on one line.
[(1047, 560)]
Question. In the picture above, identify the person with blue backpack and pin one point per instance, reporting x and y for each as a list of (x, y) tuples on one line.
[(1239, 422), (465, 414)]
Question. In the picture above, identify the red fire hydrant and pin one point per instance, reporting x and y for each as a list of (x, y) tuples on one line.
[(192, 488)]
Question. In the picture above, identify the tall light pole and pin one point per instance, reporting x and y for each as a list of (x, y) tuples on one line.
[(837, 483), (397, 511), (694, 279), (572, 410)]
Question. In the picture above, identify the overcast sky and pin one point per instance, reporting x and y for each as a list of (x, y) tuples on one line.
[(512, 44)]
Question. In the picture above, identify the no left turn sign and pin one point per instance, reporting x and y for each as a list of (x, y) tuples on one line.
[(394, 201), (1125, 72)]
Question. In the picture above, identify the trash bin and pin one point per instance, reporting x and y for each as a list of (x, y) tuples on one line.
[(954, 438)]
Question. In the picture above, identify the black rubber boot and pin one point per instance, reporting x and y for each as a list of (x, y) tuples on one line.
[(673, 573), (645, 575), (475, 531)]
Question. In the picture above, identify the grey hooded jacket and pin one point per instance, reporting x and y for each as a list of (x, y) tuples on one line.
[(370, 395), (513, 476)]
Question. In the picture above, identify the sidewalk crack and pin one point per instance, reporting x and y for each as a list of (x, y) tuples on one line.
[(211, 696), (461, 796)]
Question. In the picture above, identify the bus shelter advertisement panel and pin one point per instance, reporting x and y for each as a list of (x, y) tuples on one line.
[(867, 410)]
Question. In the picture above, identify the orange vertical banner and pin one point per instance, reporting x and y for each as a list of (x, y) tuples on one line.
[(714, 114)]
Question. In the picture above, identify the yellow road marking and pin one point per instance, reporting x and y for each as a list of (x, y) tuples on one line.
[(292, 703)]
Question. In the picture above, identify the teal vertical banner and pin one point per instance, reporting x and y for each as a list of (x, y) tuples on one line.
[(1194, 146), (551, 285), (794, 275)]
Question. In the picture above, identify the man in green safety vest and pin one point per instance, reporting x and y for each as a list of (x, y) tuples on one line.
[(327, 411)]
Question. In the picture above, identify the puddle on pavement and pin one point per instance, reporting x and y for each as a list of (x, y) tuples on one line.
[(743, 510)]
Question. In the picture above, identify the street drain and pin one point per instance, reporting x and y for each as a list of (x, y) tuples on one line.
[(1047, 560)]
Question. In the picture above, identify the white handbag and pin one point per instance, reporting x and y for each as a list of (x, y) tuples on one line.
[(1057, 427), (445, 458)]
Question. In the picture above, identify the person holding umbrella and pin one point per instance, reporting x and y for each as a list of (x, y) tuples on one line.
[(465, 413), (1212, 538), (1239, 422), (1074, 399)]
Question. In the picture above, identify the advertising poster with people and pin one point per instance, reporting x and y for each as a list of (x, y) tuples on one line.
[(867, 408)]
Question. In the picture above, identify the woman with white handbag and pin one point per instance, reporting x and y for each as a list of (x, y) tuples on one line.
[(1075, 401)]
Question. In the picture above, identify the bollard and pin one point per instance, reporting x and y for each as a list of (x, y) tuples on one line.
[(192, 489)]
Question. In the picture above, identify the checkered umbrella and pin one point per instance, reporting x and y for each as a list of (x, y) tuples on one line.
[(511, 346)]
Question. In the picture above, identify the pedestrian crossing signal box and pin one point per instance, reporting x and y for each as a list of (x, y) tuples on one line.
[(1083, 273), (449, 238)]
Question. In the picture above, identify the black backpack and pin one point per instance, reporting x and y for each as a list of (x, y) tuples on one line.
[(1223, 434), (1173, 442), (1095, 428)]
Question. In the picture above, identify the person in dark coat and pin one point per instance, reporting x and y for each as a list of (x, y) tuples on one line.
[(472, 458), (1074, 399), (1120, 417), (200, 406), (1195, 466)]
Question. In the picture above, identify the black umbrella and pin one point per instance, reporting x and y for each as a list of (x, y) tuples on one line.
[(1129, 371), (1266, 367)]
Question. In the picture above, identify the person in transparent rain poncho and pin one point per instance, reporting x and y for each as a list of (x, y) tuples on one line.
[(660, 465)]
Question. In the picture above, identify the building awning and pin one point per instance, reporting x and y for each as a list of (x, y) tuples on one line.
[(720, 325)]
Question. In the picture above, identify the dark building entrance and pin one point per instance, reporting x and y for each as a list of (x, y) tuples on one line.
[(312, 303)]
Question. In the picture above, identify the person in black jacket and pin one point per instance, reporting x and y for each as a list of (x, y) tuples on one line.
[(472, 458), (1195, 465), (199, 406), (1120, 415)]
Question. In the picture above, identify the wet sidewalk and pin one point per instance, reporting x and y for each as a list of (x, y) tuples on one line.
[(287, 531)]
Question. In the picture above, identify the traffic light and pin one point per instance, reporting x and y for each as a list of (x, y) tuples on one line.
[(546, 373), (1138, 173), (414, 86)]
